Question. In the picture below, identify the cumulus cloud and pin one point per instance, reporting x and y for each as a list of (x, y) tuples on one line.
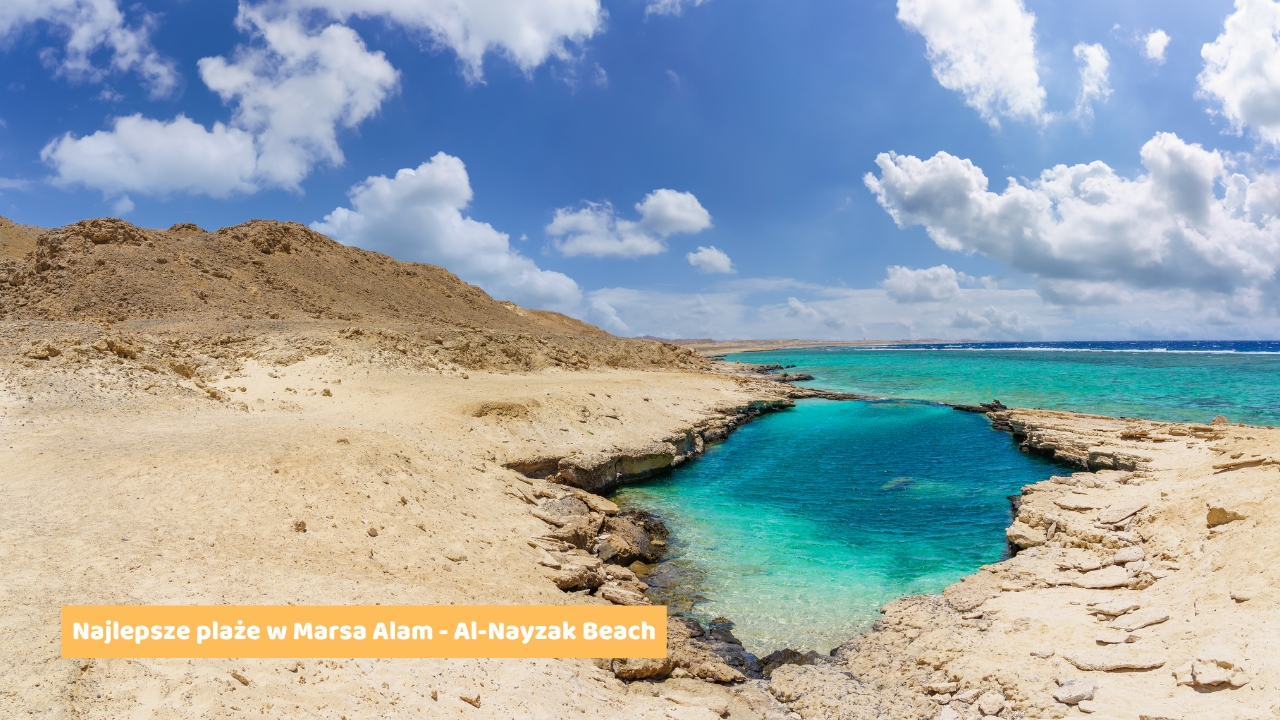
[(670, 7), (710, 260), (984, 50), (1241, 72), (296, 89), (291, 93), (1094, 83), (927, 285), (1154, 46), (417, 215), (595, 230), (525, 31), (156, 157), (601, 314), (996, 323), (1167, 229), (92, 27)]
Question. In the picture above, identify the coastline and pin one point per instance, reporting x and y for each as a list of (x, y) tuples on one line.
[(421, 447)]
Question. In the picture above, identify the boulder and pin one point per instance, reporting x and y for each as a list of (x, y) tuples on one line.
[(1213, 667), (626, 543), (1072, 691), (622, 596), (1129, 554), (643, 668), (578, 530), (786, 656), (991, 703)]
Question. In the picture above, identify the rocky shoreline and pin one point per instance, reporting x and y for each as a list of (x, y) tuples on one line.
[(592, 547), (1103, 547)]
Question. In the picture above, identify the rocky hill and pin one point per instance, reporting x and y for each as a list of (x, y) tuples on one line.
[(108, 269)]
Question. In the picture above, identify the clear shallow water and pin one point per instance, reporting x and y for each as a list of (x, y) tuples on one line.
[(804, 522), (1182, 381)]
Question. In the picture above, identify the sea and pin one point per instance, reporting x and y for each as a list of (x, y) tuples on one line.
[(803, 523)]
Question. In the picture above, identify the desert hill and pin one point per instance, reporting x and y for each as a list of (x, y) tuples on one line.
[(280, 285), (108, 269)]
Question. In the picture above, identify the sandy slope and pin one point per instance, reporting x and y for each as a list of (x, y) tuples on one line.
[(116, 492)]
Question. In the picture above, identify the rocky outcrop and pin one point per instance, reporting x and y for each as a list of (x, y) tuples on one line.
[(600, 472)]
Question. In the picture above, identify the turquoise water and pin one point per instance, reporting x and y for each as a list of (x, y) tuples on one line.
[(804, 522), (1168, 385)]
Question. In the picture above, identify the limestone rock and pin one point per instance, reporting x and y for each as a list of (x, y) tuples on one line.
[(1107, 577), (643, 668), (627, 543), (1024, 536), (785, 656), (1120, 513), (578, 530), (1077, 502), (1110, 659), (1129, 554), (706, 656), (991, 703), (622, 596), (1075, 690), (1114, 608), (1140, 619), (1213, 667), (1114, 637)]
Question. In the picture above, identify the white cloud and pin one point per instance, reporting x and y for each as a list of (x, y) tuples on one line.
[(984, 50), (92, 27), (1154, 46), (417, 215), (12, 183), (525, 31), (294, 91), (154, 157), (993, 322), (1166, 230), (927, 285), (1242, 69), (602, 315), (670, 7), (122, 206), (595, 230), (291, 94), (784, 308), (1094, 83), (710, 260)]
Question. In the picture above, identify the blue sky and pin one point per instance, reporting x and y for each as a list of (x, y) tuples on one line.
[(692, 169)]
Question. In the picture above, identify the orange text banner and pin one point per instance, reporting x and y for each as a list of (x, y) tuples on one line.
[(377, 631)]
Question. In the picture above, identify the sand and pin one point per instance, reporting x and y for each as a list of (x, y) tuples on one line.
[(168, 428), (125, 485)]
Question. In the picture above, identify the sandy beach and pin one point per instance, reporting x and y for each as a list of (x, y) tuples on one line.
[(288, 446)]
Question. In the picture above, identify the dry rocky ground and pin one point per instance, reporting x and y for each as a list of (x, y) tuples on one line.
[(259, 415)]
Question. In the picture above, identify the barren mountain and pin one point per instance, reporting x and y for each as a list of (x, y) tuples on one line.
[(108, 269)]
